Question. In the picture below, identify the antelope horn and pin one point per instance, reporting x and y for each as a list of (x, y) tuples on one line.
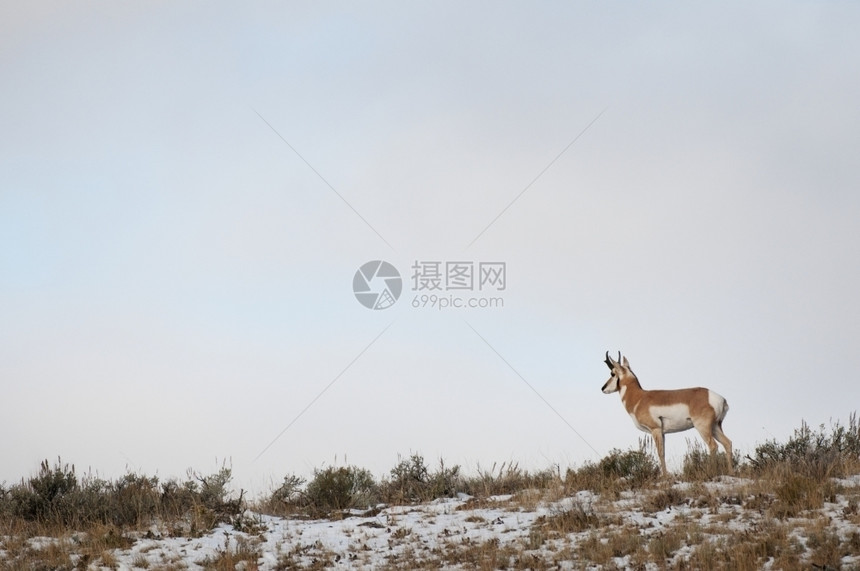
[(608, 360)]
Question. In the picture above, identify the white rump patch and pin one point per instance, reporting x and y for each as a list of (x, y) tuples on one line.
[(719, 404)]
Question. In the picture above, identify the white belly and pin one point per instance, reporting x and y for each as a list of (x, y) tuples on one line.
[(673, 418)]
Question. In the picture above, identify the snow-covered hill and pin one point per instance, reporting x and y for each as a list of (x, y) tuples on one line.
[(729, 523)]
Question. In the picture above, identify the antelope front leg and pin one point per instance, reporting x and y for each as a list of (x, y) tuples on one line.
[(657, 434)]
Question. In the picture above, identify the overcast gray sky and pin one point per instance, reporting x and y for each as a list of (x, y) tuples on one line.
[(176, 266)]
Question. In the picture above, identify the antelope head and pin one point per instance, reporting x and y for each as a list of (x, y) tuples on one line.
[(619, 369)]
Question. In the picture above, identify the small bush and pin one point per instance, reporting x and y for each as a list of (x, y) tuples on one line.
[(634, 465), (637, 467), (817, 454), (618, 471), (337, 489), (134, 499), (445, 481), (286, 498), (411, 481), (57, 498), (47, 496), (214, 494)]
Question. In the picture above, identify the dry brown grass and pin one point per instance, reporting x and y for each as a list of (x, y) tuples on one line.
[(786, 508), (229, 556), (601, 547), (580, 516)]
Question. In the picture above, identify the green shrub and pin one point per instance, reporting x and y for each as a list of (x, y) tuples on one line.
[(817, 454), (636, 466), (134, 499), (412, 481), (286, 498), (48, 496), (215, 494), (617, 471), (56, 497), (337, 489)]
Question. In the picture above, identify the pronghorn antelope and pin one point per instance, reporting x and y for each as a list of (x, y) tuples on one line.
[(662, 412)]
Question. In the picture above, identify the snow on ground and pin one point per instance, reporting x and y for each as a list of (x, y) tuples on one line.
[(432, 533), (357, 540)]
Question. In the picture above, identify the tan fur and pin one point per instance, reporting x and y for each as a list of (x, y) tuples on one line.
[(664, 411)]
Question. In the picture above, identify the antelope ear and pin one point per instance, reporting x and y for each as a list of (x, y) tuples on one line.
[(626, 363)]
